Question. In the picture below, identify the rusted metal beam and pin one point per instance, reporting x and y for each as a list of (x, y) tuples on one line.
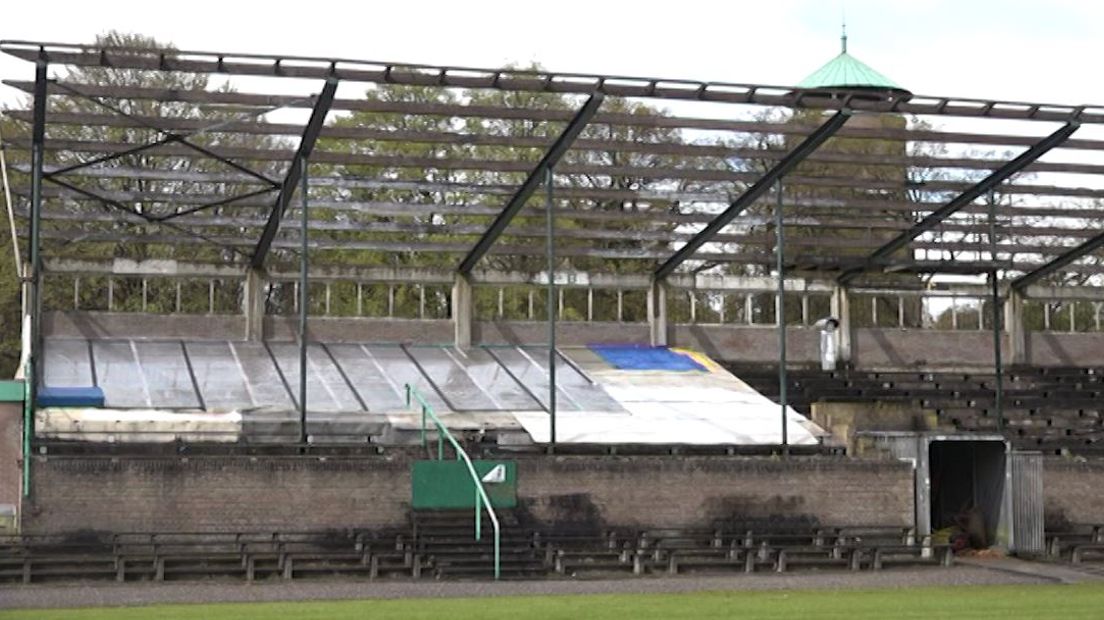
[(753, 193), (976, 191), (461, 110), (716, 174), (536, 176), (1062, 260), (879, 207), (295, 172), (620, 146), (527, 81)]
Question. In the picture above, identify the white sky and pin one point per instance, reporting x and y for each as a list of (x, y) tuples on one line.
[(1007, 49)]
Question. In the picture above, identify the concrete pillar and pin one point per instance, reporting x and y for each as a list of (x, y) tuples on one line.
[(841, 309), (657, 313), (254, 304), (11, 459), (462, 312), (1014, 327)]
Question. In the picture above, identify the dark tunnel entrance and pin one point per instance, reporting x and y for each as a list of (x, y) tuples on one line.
[(967, 490)]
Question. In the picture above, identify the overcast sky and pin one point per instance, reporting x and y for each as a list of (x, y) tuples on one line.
[(1009, 49)]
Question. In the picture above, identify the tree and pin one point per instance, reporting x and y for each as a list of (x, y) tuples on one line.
[(453, 189), (115, 224)]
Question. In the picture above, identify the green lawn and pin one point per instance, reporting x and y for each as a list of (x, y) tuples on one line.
[(1005, 602)]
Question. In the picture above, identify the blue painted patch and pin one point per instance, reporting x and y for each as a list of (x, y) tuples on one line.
[(70, 397), (642, 357)]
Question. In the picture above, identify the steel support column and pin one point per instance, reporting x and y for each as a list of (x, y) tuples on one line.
[(304, 303), (995, 315), (306, 146), (532, 182), (753, 193), (964, 199), (780, 308), (34, 277), (998, 363), (552, 305)]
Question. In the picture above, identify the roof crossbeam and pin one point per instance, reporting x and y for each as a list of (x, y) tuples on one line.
[(168, 137), (753, 193), (971, 194), (1058, 262), (295, 171), (352, 70), (536, 176)]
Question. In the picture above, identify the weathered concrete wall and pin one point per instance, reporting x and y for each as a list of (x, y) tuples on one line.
[(844, 419), (334, 329), (1073, 492), (748, 343), (574, 334), (135, 325), (238, 493), (921, 348), (1053, 349), (11, 468)]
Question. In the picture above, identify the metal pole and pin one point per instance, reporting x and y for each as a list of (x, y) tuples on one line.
[(995, 302), (551, 251), (33, 298), (780, 239), (304, 302), (997, 362)]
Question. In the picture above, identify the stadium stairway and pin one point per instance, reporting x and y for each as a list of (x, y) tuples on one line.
[(444, 542)]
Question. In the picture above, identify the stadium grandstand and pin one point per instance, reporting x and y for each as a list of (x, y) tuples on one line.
[(294, 316)]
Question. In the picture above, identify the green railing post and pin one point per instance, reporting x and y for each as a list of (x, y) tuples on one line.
[(481, 499), (408, 401), (478, 516)]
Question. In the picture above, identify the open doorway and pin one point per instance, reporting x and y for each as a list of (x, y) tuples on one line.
[(967, 489)]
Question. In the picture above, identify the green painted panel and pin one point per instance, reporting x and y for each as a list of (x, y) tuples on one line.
[(11, 391), (447, 484)]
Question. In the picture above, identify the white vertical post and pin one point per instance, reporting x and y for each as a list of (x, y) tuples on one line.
[(462, 312)]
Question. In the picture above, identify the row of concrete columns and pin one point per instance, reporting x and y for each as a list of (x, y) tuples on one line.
[(658, 325)]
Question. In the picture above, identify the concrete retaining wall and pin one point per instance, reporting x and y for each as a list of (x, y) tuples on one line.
[(297, 493)]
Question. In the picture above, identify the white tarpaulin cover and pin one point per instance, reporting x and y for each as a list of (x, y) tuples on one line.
[(661, 407)]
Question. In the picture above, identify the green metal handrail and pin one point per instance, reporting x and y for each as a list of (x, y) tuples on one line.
[(481, 498)]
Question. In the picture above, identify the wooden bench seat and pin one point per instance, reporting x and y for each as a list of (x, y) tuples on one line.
[(787, 557), (1087, 552), (910, 554)]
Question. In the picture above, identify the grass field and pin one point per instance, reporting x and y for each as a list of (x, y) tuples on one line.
[(1006, 602)]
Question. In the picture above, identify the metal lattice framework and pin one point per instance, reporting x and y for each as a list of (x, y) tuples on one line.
[(421, 168), (680, 204)]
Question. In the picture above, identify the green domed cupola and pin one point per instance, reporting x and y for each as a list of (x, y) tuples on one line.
[(845, 72)]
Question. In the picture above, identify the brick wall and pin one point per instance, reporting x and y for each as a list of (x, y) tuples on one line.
[(215, 493), (1073, 492), (235, 493), (689, 491)]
